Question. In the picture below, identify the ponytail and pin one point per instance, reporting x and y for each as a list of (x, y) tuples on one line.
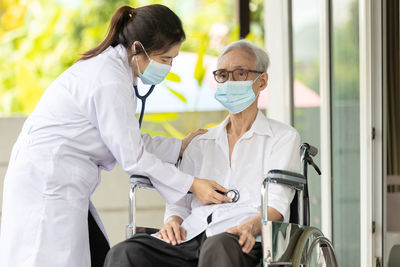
[(118, 21), (155, 26)]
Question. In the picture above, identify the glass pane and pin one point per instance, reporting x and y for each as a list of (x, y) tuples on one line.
[(305, 18), (345, 132)]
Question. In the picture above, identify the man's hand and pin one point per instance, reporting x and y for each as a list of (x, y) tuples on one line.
[(249, 230), (205, 191), (246, 237), (188, 139), (247, 233), (172, 231)]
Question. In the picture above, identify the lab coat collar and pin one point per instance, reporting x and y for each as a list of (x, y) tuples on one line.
[(123, 54), (260, 126)]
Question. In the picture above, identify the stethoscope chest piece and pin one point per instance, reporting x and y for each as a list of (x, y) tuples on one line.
[(233, 194)]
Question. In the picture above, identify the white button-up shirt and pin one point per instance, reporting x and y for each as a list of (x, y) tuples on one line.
[(268, 145)]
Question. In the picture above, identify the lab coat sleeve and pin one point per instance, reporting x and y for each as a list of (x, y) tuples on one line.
[(111, 108), (165, 148), (285, 156), (182, 208)]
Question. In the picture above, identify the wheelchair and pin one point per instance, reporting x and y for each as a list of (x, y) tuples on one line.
[(295, 244)]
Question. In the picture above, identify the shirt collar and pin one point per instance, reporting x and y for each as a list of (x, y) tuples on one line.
[(260, 126)]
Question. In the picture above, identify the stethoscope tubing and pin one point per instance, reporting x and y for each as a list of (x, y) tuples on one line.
[(143, 99)]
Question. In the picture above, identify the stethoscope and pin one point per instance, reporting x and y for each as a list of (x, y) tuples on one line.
[(143, 100), (233, 193)]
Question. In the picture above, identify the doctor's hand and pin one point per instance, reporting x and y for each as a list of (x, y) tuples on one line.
[(172, 232), (205, 192), (188, 139)]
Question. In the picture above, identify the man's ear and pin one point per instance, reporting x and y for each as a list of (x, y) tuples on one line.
[(262, 81)]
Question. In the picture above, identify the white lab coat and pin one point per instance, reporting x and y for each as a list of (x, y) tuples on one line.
[(84, 122)]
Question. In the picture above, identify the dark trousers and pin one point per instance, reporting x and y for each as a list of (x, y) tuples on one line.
[(220, 250), (98, 243)]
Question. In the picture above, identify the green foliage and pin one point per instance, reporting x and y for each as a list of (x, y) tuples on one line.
[(257, 22), (346, 75), (153, 123), (200, 70), (173, 77), (177, 94), (39, 39)]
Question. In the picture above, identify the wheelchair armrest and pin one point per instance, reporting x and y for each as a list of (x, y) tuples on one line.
[(141, 181), (289, 178)]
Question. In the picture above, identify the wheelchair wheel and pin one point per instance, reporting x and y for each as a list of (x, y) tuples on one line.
[(313, 249)]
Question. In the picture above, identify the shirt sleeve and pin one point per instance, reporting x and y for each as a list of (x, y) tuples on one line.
[(111, 108), (285, 156), (165, 148)]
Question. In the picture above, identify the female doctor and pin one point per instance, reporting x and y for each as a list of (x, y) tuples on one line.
[(85, 122)]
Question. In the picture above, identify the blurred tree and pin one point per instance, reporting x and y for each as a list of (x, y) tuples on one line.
[(40, 42), (42, 38)]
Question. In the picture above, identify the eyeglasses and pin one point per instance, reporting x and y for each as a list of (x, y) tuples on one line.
[(222, 75)]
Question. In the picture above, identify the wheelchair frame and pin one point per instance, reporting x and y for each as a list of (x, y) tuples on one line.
[(292, 244), (284, 244)]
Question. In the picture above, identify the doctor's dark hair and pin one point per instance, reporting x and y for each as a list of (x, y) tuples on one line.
[(157, 27)]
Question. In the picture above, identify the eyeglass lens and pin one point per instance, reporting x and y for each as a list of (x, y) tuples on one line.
[(238, 75)]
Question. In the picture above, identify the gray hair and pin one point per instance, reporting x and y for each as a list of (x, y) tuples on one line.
[(260, 55)]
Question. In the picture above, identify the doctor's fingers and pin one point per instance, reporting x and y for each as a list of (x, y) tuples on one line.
[(183, 233), (216, 199), (176, 229), (172, 235), (219, 187), (163, 235), (188, 139), (220, 198), (192, 135)]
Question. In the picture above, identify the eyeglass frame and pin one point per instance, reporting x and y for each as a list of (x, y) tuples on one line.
[(231, 72)]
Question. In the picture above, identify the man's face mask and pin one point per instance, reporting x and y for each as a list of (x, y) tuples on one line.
[(236, 96), (155, 72)]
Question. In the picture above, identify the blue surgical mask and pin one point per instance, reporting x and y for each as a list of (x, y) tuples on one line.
[(155, 72), (236, 96)]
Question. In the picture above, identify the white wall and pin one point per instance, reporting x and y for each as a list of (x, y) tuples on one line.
[(110, 198)]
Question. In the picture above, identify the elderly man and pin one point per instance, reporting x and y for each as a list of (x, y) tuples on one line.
[(237, 153)]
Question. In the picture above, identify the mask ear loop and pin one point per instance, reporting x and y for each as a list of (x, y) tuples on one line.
[(257, 78), (254, 82), (135, 55), (144, 50)]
